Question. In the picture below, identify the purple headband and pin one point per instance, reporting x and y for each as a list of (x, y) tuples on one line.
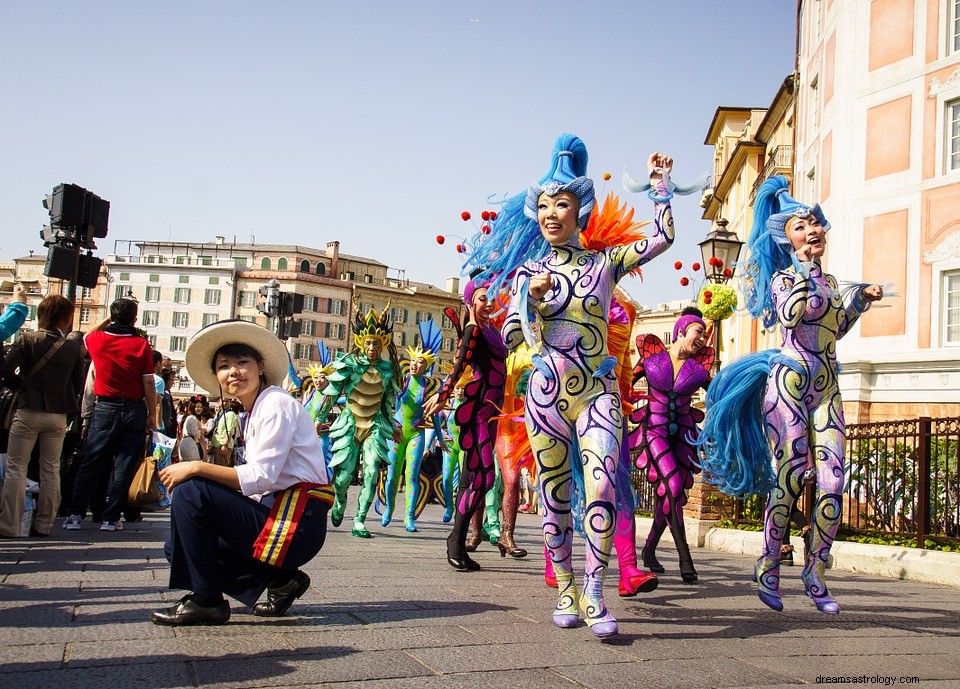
[(471, 287), (684, 322)]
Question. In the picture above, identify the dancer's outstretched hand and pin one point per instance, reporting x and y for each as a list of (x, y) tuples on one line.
[(432, 406), (873, 293), (540, 284), (659, 165)]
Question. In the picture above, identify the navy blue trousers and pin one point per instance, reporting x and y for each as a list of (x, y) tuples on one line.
[(212, 532)]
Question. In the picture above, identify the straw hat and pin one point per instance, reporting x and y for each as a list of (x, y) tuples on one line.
[(204, 345)]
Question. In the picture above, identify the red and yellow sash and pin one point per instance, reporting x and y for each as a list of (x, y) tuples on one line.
[(277, 534)]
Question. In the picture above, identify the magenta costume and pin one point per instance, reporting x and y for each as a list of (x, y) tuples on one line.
[(667, 426), (483, 349)]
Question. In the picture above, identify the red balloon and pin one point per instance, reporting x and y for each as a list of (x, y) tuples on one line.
[(684, 281), (485, 215), (440, 239), (678, 265), (465, 215), (485, 229), (461, 248), (708, 294), (727, 273), (493, 215), (719, 263), (707, 300), (696, 266)]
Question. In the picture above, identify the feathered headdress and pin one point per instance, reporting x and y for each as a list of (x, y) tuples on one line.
[(431, 338), (325, 367), (612, 225), (379, 326)]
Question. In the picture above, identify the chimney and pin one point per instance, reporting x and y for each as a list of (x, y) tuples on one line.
[(333, 252), (219, 239), (453, 285)]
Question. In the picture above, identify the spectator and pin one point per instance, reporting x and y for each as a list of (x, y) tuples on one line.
[(225, 433), (50, 364), (193, 444), (158, 387), (168, 415), (124, 413)]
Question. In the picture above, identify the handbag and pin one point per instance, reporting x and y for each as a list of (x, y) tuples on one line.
[(144, 489), (9, 396)]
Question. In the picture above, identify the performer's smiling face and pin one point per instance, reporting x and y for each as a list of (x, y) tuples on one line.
[(372, 347), (482, 306), (557, 216), (417, 366), (807, 230), (239, 376), (693, 339)]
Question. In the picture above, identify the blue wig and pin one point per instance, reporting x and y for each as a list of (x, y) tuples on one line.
[(514, 237), (770, 249), (733, 445)]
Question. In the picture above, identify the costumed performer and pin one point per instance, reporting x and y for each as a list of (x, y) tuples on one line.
[(408, 451), (482, 348), (667, 428), (368, 383), (766, 412), (222, 540), (452, 458), (311, 389), (573, 399)]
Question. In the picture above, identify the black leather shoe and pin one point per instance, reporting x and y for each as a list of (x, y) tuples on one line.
[(280, 599), (187, 612), (464, 563)]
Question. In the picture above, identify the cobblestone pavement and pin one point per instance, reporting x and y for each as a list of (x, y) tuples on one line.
[(389, 612)]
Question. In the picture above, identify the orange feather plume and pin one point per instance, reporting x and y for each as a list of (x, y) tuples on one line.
[(611, 224)]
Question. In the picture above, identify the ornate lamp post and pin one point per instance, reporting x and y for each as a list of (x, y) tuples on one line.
[(720, 250)]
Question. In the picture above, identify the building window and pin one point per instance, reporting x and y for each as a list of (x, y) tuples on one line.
[(953, 134), (448, 344), (84, 314), (248, 299), (181, 295), (181, 319), (85, 294), (124, 277), (307, 329), (210, 319), (667, 338), (150, 318), (321, 269), (304, 266), (336, 307), (282, 264), (153, 294), (951, 312), (205, 260), (265, 263), (154, 278), (304, 351), (120, 291), (240, 262), (211, 297), (214, 281), (399, 316), (954, 26), (178, 344), (249, 319), (814, 105), (152, 339), (423, 316), (309, 303), (184, 279), (445, 322)]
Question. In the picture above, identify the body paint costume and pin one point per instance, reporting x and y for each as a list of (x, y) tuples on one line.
[(453, 457), (795, 391), (313, 400), (409, 417), (366, 423), (573, 398), (667, 426), (481, 348)]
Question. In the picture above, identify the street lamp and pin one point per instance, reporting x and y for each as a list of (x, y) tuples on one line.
[(720, 250)]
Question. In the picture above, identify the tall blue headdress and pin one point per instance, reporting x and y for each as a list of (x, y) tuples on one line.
[(515, 235), (770, 249)]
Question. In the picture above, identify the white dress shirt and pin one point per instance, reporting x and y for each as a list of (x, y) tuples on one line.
[(282, 447)]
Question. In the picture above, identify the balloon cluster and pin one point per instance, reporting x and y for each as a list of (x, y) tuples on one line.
[(486, 216)]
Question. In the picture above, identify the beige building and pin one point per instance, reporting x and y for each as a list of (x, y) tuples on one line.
[(878, 144)]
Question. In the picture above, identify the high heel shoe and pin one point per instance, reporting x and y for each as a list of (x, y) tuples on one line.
[(816, 589), (650, 561), (767, 575), (457, 558), (506, 546), (474, 542), (688, 572)]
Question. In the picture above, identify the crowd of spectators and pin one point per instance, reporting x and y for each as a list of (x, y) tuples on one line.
[(83, 411)]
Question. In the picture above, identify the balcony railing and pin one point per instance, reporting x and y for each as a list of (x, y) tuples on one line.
[(779, 162)]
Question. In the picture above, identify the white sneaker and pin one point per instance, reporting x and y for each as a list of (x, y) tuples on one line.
[(72, 523), (112, 526)]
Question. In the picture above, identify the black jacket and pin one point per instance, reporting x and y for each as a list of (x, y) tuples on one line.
[(57, 386)]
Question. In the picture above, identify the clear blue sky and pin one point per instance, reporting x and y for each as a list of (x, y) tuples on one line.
[(374, 123)]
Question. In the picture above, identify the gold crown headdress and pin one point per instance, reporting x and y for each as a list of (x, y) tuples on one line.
[(379, 326)]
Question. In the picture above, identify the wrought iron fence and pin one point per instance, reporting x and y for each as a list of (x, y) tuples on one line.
[(901, 478)]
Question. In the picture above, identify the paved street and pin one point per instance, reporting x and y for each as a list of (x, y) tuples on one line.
[(390, 612)]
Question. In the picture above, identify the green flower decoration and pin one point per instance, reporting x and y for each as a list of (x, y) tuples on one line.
[(723, 301)]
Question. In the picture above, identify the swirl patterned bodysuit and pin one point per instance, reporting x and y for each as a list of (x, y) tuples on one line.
[(572, 407), (804, 415)]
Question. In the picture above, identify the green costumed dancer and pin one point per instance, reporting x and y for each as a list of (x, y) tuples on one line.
[(409, 450), (369, 385)]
